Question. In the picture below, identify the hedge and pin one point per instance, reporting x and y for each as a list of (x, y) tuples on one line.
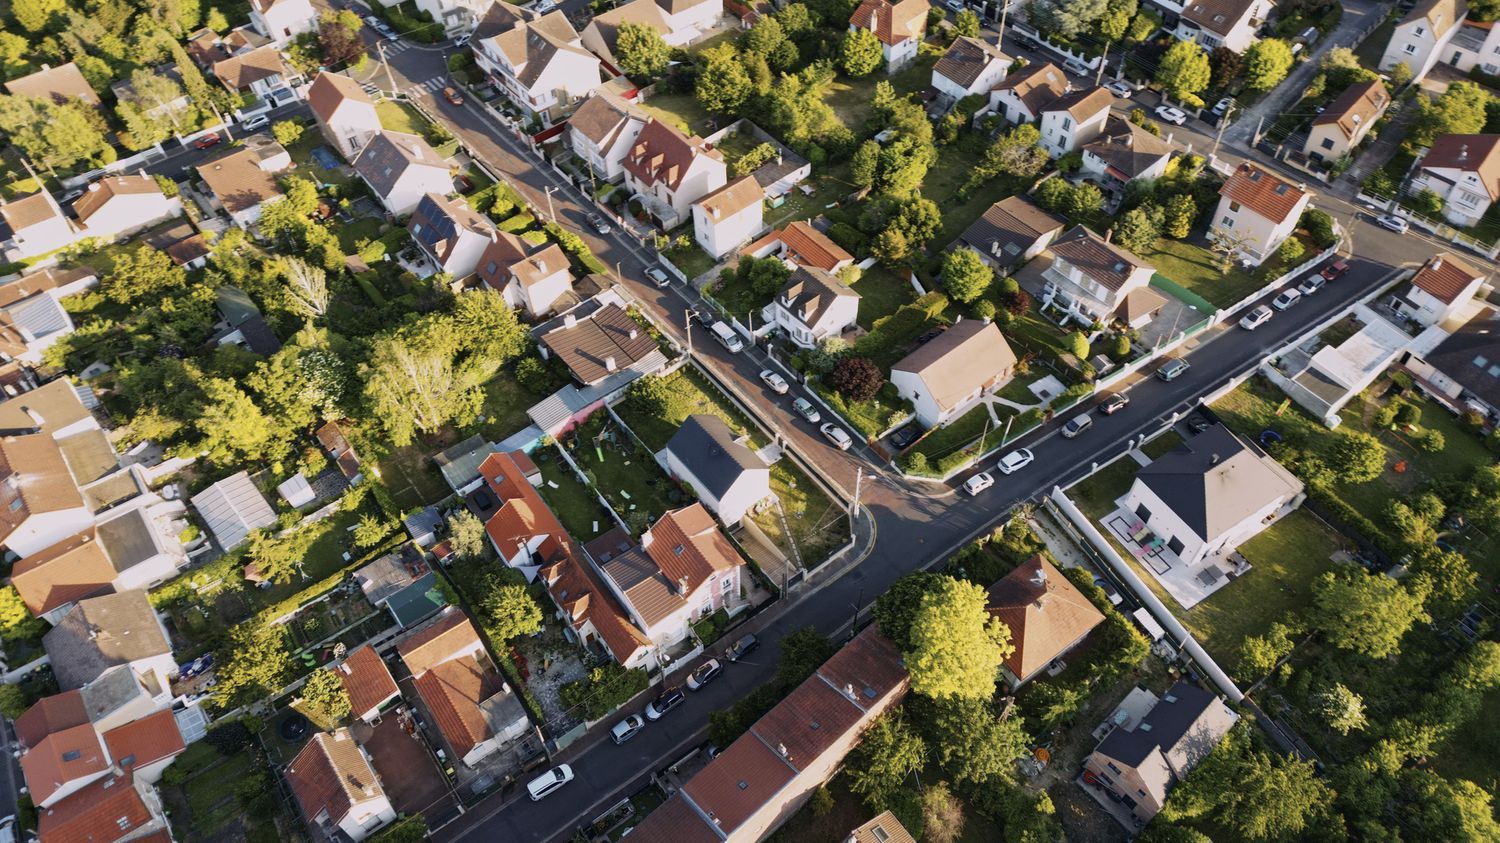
[(517, 223)]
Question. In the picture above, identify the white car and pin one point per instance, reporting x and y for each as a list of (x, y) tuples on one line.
[(1393, 222), (547, 783), (704, 675), (1222, 106), (835, 434), (1175, 116), (1015, 461), (1255, 318), (1286, 298), (542, 7), (259, 121), (1311, 285), (978, 483), (1120, 88), (954, 6), (776, 382), (806, 410), (658, 276), (627, 728), (1077, 68)]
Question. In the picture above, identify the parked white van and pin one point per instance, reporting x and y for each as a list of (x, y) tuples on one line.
[(543, 785), (727, 337)]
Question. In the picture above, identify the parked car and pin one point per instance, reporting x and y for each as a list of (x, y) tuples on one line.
[(1172, 369), (1077, 425), (1256, 318), (1286, 298), (463, 40), (904, 436), (1077, 68), (807, 411), (75, 193), (599, 226), (664, 702), (259, 121), (1120, 88), (1015, 461), (704, 675), (548, 782), (775, 382), (1114, 403), (208, 140), (1222, 106), (374, 22), (954, 6), (452, 95), (1026, 42), (542, 7), (835, 434), (741, 648), (658, 276), (1333, 271), (978, 483), (1393, 222), (1175, 116), (1311, 284), (627, 728)]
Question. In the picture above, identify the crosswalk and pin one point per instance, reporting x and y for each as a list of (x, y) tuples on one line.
[(396, 48), (431, 86)]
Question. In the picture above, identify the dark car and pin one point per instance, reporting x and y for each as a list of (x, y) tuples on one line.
[(741, 648), (905, 436), (929, 336), (665, 702), (1114, 403), (1334, 270), (1198, 424), (1028, 43), (208, 140)]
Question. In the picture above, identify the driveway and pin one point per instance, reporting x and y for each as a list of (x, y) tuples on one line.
[(407, 769)]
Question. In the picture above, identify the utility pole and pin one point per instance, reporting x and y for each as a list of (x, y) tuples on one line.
[(687, 328), (1103, 63), (550, 211), (1004, 10), (390, 77), (1219, 135), (859, 476)]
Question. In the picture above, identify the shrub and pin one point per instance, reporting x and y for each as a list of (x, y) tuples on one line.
[(856, 378), (605, 689), (1431, 441), (533, 376), (984, 309), (1319, 226)]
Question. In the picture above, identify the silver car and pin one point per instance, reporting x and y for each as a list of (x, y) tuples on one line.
[(806, 410)]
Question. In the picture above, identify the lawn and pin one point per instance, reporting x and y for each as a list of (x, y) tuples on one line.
[(680, 110), (1158, 447), (623, 472), (1096, 494), (397, 117), (853, 99), (504, 409), (1189, 264), (736, 295), (691, 394), (691, 259), (819, 525), (351, 234), (870, 417), (573, 503), (881, 293), (963, 435), (891, 337), (954, 165)]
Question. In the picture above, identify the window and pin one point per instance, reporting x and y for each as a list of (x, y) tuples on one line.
[(15, 504), (1234, 207), (1143, 513), (1067, 124), (1419, 30), (1481, 361), (1328, 143), (1227, 222), (1112, 767), (728, 583), (1411, 48), (1175, 545)]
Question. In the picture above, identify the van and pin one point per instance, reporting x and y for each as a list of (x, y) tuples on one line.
[(727, 337), (543, 785), (1077, 425)]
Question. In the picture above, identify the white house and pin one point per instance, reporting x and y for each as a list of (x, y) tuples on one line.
[(1259, 208), (1421, 39), (1210, 494), (1222, 23), (401, 169), (115, 207), (455, 15), (1092, 279), (243, 182), (1464, 369), (283, 20), (1346, 121), (451, 233), (1074, 119), (602, 131), (34, 225), (1126, 152), (1440, 289), (112, 630), (900, 27), (1463, 170), (533, 278), (812, 306), (42, 504), (970, 66), (946, 376), (1022, 96), (344, 112), (1011, 232), (337, 788), (261, 76), (668, 171), (727, 218), (538, 61), (729, 478), (679, 22)]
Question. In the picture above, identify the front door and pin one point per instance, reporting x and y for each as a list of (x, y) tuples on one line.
[(1456, 56)]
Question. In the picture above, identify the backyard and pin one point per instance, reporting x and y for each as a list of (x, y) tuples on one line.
[(1194, 267), (960, 440), (818, 524), (623, 472), (691, 393), (882, 292), (571, 501), (221, 797)]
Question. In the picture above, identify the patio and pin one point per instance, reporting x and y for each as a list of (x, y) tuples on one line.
[(1188, 585)]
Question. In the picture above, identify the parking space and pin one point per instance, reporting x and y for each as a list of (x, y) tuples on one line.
[(407, 767)]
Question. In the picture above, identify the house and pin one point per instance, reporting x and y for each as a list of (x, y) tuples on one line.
[(763, 778), (336, 444), (244, 182), (603, 130), (599, 346), (1421, 38), (1231, 24), (948, 375), (900, 26), (241, 323), (336, 787), (1094, 280), (124, 91), (680, 22), (183, 243), (283, 20), (368, 682), (1074, 119), (147, 745), (812, 306), (60, 85), (400, 169), (533, 278), (60, 750), (1464, 369), (669, 171), (118, 554), (33, 226), (1024, 95), (727, 476), (260, 76), (538, 61), (115, 207), (1046, 614), (456, 16), (1125, 152), (1260, 209), (108, 631), (1011, 232), (1210, 494), (1141, 759), (1464, 171), (233, 508), (1442, 287), (451, 234), (114, 809), (971, 66), (57, 408), (1333, 375), (42, 503), (32, 316), (728, 217), (799, 244), (344, 112), (1346, 121), (883, 828)]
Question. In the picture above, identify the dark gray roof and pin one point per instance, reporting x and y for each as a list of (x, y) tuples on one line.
[(1010, 227), (102, 632), (389, 155), (1214, 480), (235, 305), (1166, 724), (706, 445), (127, 540), (1128, 148), (811, 291), (1471, 356), (259, 337), (459, 463)]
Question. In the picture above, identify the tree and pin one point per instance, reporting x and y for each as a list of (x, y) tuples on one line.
[(36, 15), (896, 609), (956, 644), (1082, 200), (1224, 66), (286, 132), (1017, 153), (157, 93), (865, 164), (411, 385), (1400, 75), (1460, 110), (370, 530), (52, 135), (861, 53), (723, 85), (642, 51), (1181, 211), (15, 619), (1450, 581), (1319, 227), (467, 535), (1273, 797), (1135, 231), (233, 428), (764, 37), (1356, 457), (13, 701), (487, 326), (917, 218), (966, 23), (902, 165), (254, 662), (143, 272), (338, 37), (1184, 72), (326, 694), (1267, 63), (942, 814), (968, 741), (966, 276), (1363, 612), (1068, 18), (309, 286), (889, 752), (511, 612), (1291, 251), (855, 378), (1227, 246), (1077, 344), (1342, 708), (891, 247), (1259, 654)]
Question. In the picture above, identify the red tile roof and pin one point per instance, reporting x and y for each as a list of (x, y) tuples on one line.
[(74, 568), (1045, 612), (805, 246), (367, 680), (146, 740), (61, 757), (1266, 194), (1357, 108), (891, 22), (688, 547), (453, 691), (331, 774), (437, 642), (51, 714), (1478, 154), (1445, 277), (102, 812)]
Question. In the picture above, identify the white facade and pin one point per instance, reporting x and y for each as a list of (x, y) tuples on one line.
[(721, 235), (1237, 35), (454, 15), (930, 414), (689, 23), (988, 78), (607, 159), (832, 320), (568, 72), (1262, 236), (127, 213), (750, 488), (45, 235), (1465, 199), (1420, 42), (1167, 524), (1063, 133), (45, 529), (538, 297), (283, 20), (416, 181)]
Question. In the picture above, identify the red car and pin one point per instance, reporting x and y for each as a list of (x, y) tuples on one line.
[(453, 96), (1335, 269), (208, 140)]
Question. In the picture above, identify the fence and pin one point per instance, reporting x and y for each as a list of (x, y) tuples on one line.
[(120, 165), (1437, 228)]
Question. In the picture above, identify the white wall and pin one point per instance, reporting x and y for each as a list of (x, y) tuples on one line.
[(418, 181), (720, 237), (42, 530), (1262, 236)]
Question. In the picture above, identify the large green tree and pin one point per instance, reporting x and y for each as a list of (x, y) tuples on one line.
[(966, 276), (143, 272), (53, 136), (642, 52), (233, 429), (1184, 72), (326, 694), (888, 754), (511, 612), (467, 535), (861, 53), (971, 744), (896, 609), (1356, 456), (1460, 110), (254, 662), (36, 15), (956, 644), (1267, 62), (1363, 612), (413, 385), (723, 85)]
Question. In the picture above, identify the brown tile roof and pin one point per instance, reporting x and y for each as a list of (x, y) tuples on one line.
[(1356, 108), (1036, 86), (1140, 303), (643, 12), (146, 740), (58, 84), (806, 245), (331, 774), (1216, 15), (21, 214), (238, 72), (640, 579), (663, 154), (1102, 261), (1445, 277), (676, 820), (809, 721), (890, 830), (893, 22), (74, 568), (810, 291), (745, 777), (1015, 224), (1045, 612), (103, 190), (732, 198), (437, 642), (967, 57), (966, 357), (51, 714), (328, 91), (603, 116), (238, 180), (509, 255), (1127, 149), (529, 42), (367, 680), (453, 691), (61, 757), (38, 476), (445, 221), (1478, 154), (1266, 194), (1442, 15), (102, 812), (587, 347), (1083, 104), (687, 546), (24, 288)]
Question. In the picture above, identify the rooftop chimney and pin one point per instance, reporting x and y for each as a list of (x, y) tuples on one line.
[(1463, 152), (609, 363), (682, 584), (1213, 460), (570, 321), (782, 750), (1437, 263), (634, 332), (40, 422)]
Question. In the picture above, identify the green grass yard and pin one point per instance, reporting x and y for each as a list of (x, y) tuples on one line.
[(680, 110), (819, 524), (504, 409), (882, 291), (573, 503), (692, 394), (964, 435), (398, 117), (1193, 266), (627, 475)]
